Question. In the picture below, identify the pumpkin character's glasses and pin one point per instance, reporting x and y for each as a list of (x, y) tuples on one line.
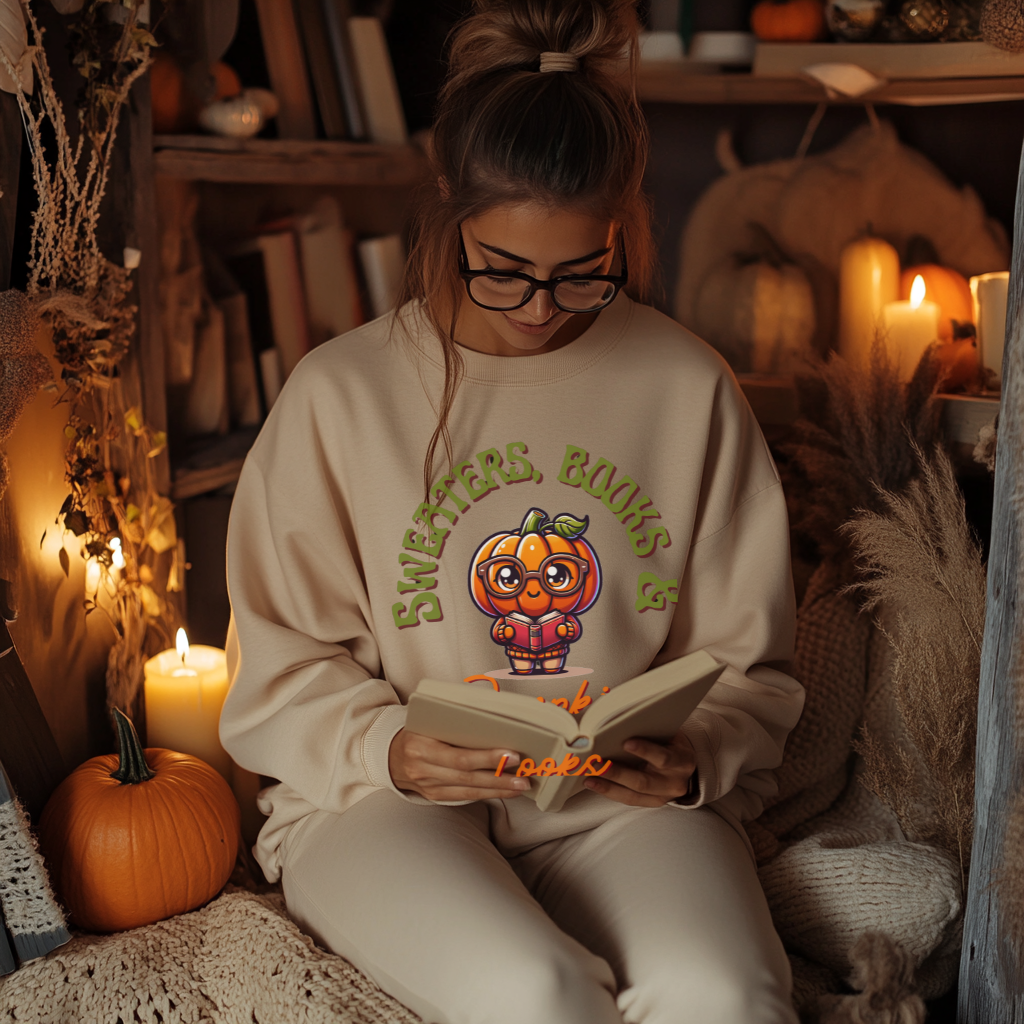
[(503, 290), (559, 574)]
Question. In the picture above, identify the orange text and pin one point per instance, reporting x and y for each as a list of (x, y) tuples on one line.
[(579, 702), (549, 766)]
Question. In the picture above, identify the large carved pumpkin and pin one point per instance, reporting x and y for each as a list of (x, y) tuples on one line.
[(536, 542), (134, 838)]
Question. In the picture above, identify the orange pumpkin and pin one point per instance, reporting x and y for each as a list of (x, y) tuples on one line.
[(945, 287), (788, 21), (958, 361), (226, 80), (137, 837), (538, 541), (168, 96)]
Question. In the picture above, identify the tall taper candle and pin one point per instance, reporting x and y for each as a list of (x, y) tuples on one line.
[(869, 277)]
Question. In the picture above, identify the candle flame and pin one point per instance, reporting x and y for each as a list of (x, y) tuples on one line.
[(917, 292), (181, 642)]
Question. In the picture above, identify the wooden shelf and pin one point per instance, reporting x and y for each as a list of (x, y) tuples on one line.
[(667, 82), (774, 402), (286, 161), (213, 463)]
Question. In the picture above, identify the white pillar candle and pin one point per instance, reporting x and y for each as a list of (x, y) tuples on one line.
[(911, 325), (989, 294), (185, 690), (869, 278)]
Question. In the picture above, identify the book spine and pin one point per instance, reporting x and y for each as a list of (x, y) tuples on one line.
[(243, 389), (332, 288), (206, 408), (321, 68), (385, 120), (336, 15), (270, 373), (286, 66), (287, 298), (248, 270), (383, 261)]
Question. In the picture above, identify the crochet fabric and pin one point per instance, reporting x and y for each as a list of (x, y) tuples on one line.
[(238, 960), (29, 909)]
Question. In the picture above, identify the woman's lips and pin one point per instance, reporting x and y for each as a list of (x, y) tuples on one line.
[(531, 328)]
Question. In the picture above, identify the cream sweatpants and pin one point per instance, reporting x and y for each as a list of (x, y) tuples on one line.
[(655, 916)]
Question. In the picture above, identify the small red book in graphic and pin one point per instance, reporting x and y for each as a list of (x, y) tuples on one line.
[(535, 634)]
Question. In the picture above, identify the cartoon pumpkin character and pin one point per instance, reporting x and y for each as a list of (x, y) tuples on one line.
[(530, 582)]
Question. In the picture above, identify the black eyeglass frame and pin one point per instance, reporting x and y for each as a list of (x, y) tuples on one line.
[(619, 281)]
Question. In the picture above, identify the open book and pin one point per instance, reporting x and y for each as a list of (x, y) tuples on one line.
[(652, 706)]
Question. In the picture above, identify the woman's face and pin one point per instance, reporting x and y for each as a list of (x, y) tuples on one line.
[(543, 243)]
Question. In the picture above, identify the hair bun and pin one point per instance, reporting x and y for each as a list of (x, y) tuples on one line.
[(524, 34)]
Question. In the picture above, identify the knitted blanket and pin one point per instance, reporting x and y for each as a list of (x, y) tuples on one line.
[(238, 960), (850, 896)]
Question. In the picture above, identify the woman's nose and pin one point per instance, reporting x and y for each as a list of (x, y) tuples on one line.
[(540, 307)]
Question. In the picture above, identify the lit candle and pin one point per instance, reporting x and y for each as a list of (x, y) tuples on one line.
[(989, 294), (911, 325), (185, 690), (869, 278)]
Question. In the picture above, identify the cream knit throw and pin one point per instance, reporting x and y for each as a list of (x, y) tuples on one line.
[(851, 898), (238, 960)]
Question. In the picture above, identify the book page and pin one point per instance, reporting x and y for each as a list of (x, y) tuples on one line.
[(658, 718), (637, 691), (464, 726), (515, 707)]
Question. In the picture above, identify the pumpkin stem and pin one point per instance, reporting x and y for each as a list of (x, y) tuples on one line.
[(132, 766), (532, 522)]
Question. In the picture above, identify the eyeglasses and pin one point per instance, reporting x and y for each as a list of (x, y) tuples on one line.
[(559, 574), (503, 290)]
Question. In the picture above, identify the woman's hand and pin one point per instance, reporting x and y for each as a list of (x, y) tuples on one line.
[(439, 771), (665, 777)]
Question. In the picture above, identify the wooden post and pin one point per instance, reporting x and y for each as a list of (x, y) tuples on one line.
[(992, 964), (10, 167)]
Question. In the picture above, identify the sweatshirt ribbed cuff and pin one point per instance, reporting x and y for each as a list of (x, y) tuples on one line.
[(377, 743), (702, 730)]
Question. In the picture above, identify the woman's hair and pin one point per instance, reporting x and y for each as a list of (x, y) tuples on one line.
[(507, 133)]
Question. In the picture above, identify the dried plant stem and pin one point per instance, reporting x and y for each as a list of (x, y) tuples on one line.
[(114, 507)]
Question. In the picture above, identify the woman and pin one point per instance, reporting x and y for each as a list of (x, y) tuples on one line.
[(607, 483)]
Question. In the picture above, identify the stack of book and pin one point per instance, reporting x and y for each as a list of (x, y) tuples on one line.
[(329, 67), (292, 285)]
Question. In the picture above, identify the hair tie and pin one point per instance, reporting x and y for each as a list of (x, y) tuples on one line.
[(552, 60)]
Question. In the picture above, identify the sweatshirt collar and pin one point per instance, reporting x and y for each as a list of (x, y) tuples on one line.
[(528, 371)]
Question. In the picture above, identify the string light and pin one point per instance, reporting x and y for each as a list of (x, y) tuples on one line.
[(118, 556)]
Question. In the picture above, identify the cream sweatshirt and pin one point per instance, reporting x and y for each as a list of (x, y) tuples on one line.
[(625, 471)]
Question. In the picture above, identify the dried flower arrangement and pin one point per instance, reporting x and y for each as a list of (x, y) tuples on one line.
[(851, 440), (125, 525), (920, 559)]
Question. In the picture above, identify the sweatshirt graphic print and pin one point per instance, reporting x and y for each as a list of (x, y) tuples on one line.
[(610, 506)]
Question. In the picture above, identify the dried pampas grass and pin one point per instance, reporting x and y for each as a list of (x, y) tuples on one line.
[(922, 562), (855, 435)]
